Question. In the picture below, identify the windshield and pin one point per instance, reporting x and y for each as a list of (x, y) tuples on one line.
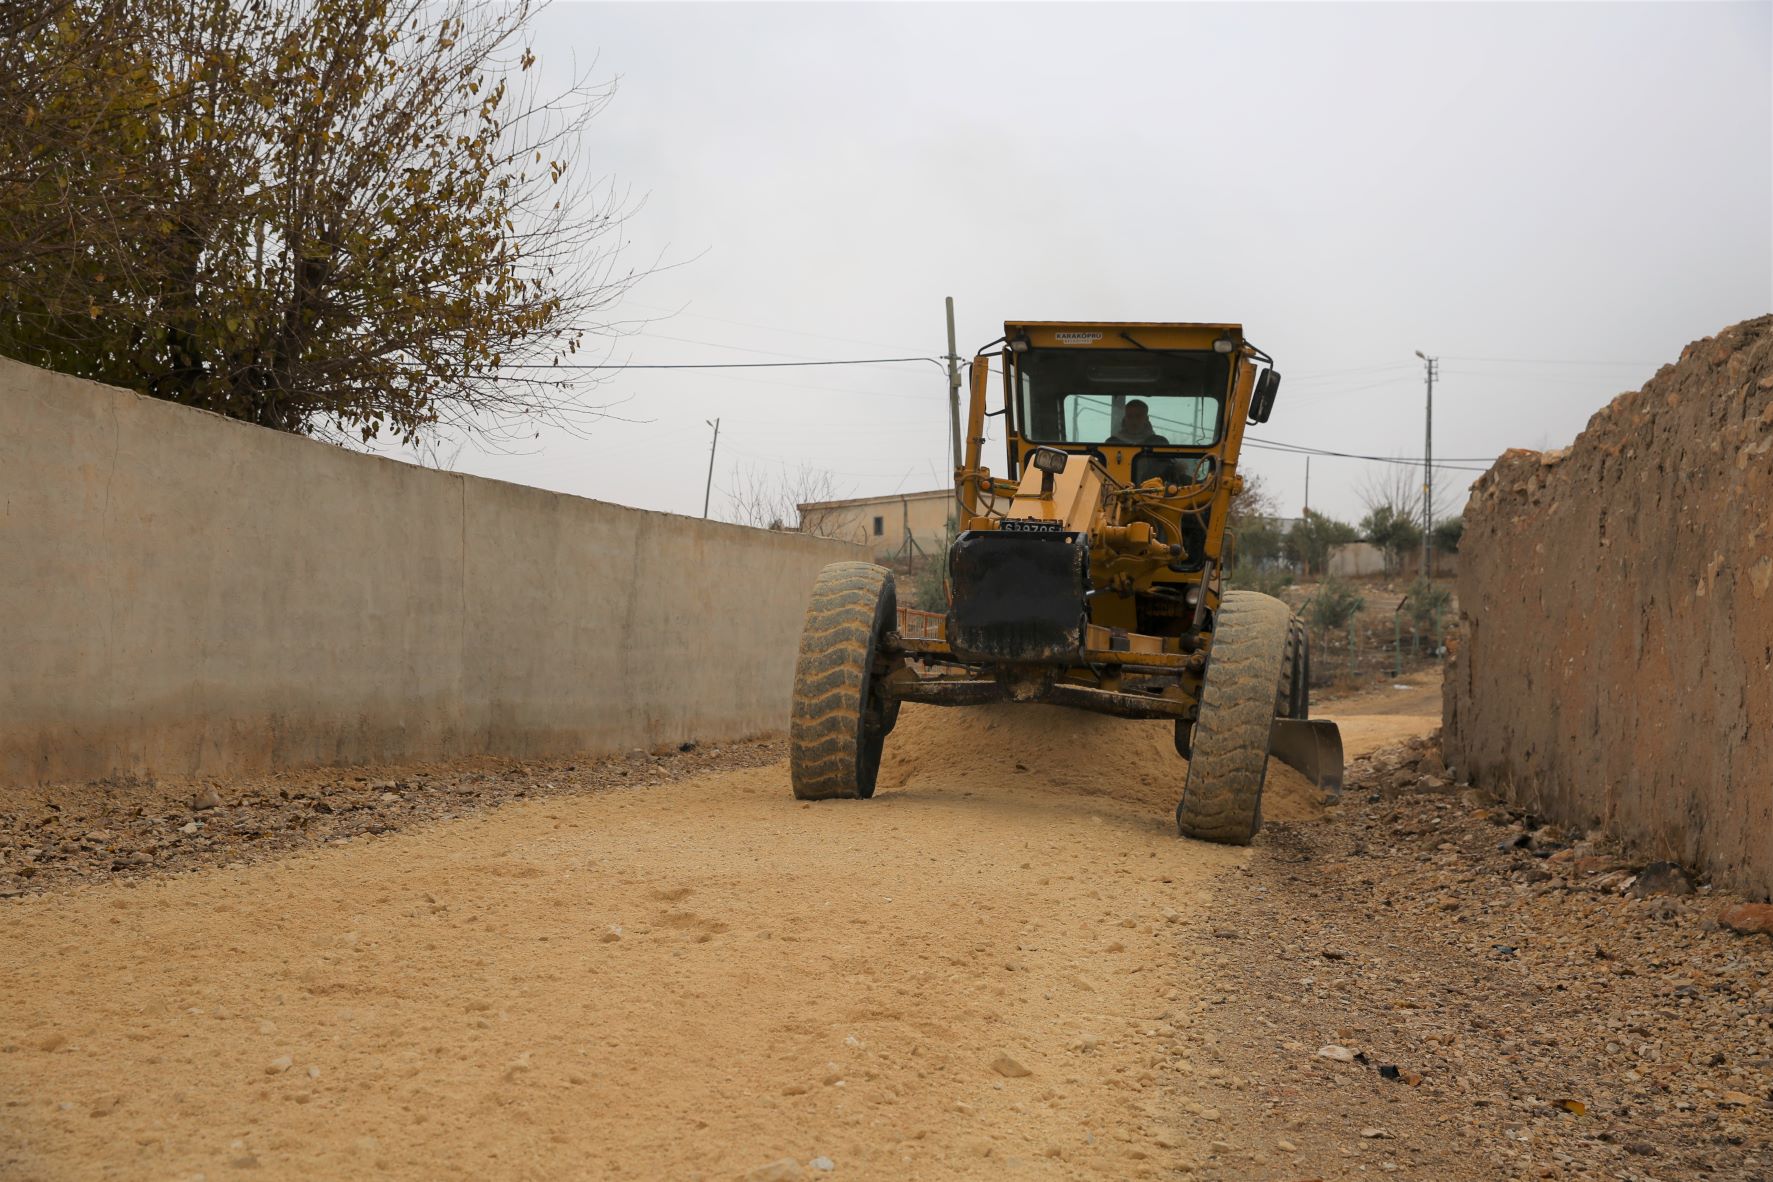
[(1130, 397)]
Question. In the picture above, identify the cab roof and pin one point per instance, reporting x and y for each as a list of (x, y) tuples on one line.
[(1113, 334), (1120, 324)]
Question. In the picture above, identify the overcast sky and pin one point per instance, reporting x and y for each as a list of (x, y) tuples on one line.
[(1552, 198)]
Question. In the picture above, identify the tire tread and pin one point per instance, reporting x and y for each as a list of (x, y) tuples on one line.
[(831, 755), (1247, 682)]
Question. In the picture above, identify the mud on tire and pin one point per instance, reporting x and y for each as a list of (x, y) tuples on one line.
[(837, 725), (1247, 678)]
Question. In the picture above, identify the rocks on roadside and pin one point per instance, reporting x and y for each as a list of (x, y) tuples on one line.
[(1009, 1067), (1661, 878), (1567, 1002), (130, 827), (1748, 919)]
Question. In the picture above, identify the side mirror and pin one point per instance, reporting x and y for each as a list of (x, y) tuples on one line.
[(1262, 401)]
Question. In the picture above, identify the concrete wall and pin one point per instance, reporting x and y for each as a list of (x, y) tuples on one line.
[(1618, 598), (1359, 560), (1350, 560), (181, 593)]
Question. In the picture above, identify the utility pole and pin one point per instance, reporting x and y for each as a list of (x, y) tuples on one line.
[(1431, 366), (953, 388), (1308, 484), (709, 487)]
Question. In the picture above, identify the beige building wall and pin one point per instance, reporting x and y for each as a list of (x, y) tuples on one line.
[(881, 523), (183, 594)]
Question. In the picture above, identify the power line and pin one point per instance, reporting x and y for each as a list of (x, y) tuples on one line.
[(1554, 361), (779, 384), (1313, 397), (1329, 374), (1437, 466), (732, 364), (1453, 464), (794, 332), (659, 336), (1353, 456), (1590, 383)]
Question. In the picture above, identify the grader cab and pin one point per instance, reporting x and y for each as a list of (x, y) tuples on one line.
[(1090, 575)]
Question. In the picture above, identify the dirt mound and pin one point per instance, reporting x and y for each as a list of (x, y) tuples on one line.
[(1055, 749)]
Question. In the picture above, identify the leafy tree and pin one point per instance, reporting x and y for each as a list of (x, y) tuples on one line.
[(1311, 537), (1447, 534), (1255, 534), (340, 217), (79, 93), (1393, 532), (1259, 541), (1252, 500)]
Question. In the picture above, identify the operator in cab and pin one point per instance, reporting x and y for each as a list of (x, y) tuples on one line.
[(1135, 428)]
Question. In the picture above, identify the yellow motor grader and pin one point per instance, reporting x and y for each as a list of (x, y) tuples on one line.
[(1090, 574)]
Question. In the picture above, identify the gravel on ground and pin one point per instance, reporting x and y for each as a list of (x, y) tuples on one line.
[(1430, 982)]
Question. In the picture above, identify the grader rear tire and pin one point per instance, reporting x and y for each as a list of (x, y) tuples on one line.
[(1222, 798), (838, 725), (1293, 697)]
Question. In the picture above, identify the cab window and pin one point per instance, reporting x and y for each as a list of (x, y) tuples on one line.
[(1122, 397)]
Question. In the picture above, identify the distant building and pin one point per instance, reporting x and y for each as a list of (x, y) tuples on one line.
[(904, 528)]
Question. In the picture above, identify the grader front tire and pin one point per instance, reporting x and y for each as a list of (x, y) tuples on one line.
[(837, 728), (1222, 798)]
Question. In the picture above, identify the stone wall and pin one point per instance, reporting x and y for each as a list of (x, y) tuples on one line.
[(183, 594), (1617, 668)]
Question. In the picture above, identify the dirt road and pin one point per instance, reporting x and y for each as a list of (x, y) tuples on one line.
[(991, 968)]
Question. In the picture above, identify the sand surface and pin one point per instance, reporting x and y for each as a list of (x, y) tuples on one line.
[(979, 972)]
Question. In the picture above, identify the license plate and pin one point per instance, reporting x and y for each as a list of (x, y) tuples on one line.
[(1031, 527)]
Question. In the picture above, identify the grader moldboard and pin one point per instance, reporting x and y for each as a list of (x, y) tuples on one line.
[(1091, 576)]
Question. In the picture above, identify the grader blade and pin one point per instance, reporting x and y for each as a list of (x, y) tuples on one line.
[(1313, 747)]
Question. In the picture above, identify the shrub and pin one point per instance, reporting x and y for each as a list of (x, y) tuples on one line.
[(1428, 605), (1268, 579), (1334, 606)]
